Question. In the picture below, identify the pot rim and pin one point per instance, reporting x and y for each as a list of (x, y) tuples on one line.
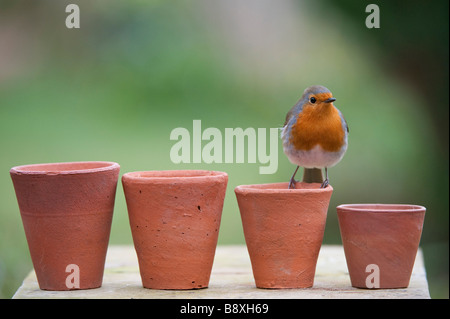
[(171, 176), (381, 208), (64, 168), (270, 188)]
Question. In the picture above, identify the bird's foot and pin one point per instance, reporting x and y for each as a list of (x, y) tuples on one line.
[(325, 183), (292, 183)]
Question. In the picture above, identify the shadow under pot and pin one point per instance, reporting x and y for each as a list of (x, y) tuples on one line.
[(283, 231), (380, 242), (66, 210), (175, 219)]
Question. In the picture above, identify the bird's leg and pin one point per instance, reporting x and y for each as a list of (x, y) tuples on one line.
[(293, 181), (325, 182)]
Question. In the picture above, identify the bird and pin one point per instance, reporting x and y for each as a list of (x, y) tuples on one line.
[(314, 135)]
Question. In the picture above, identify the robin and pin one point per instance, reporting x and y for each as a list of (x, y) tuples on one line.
[(314, 135)]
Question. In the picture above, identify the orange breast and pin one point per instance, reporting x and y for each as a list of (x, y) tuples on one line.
[(318, 125)]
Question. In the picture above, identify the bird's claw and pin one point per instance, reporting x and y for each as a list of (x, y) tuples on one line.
[(325, 183), (292, 183)]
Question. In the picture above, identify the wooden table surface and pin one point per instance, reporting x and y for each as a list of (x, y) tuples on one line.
[(231, 278)]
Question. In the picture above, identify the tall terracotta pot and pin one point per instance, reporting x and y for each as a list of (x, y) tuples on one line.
[(283, 230), (380, 242), (175, 219), (67, 209)]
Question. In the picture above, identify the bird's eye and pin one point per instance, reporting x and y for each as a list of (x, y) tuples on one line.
[(312, 100)]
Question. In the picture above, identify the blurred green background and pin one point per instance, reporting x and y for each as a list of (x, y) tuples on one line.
[(115, 88)]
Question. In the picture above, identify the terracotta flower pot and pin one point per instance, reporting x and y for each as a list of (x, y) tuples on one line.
[(175, 219), (67, 209), (380, 243), (283, 230)]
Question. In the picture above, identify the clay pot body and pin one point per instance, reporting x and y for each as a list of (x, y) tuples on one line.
[(283, 230), (175, 219), (383, 235), (67, 209)]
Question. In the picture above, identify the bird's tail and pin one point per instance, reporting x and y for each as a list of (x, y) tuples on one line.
[(312, 175)]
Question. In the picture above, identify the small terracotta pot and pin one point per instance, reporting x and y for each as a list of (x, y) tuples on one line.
[(66, 210), (175, 219), (380, 242), (283, 230)]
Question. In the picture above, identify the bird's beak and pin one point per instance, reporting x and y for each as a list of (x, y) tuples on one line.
[(331, 99)]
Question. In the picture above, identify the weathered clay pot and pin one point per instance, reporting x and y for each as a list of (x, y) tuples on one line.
[(380, 242), (283, 230), (67, 209), (175, 219)]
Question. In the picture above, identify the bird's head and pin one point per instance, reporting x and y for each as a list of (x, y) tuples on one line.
[(317, 95)]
